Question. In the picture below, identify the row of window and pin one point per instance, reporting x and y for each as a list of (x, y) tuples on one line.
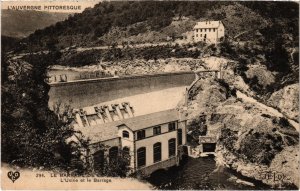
[(113, 155), (142, 155), (201, 35), (156, 131), (204, 30)]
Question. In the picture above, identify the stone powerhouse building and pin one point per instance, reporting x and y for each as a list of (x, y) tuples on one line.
[(149, 127)]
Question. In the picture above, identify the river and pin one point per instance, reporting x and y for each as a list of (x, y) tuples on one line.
[(202, 174)]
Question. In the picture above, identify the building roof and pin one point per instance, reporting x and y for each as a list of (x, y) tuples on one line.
[(150, 120), (207, 24), (106, 131)]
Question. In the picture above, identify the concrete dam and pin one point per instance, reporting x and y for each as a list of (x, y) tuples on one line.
[(90, 92)]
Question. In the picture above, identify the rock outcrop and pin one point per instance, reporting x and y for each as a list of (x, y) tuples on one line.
[(287, 101), (250, 140)]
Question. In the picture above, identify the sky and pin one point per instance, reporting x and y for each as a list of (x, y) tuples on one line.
[(49, 6)]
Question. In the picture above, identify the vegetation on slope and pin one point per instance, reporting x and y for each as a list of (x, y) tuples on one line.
[(20, 24), (249, 137), (133, 18)]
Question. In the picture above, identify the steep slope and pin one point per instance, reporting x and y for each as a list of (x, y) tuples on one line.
[(151, 20), (251, 140), (287, 100), (20, 24)]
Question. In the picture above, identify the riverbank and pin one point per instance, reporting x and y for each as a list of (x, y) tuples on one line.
[(202, 174)]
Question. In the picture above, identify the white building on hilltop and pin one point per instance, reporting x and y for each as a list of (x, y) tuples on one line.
[(209, 31)]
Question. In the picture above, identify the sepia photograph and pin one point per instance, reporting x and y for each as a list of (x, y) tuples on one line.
[(150, 95)]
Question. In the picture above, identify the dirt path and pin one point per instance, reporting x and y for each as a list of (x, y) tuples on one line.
[(271, 110)]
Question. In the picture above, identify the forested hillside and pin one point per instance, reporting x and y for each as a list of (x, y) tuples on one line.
[(121, 20), (20, 24)]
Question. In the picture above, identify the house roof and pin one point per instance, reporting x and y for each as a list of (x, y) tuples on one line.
[(106, 131), (207, 24)]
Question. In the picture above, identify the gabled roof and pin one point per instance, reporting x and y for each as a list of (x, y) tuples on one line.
[(207, 24), (106, 131), (150, 120)]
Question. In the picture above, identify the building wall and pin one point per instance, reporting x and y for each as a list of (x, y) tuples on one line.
[(109, 143), (91, 92), (128, 142), (164, 129), (149, 142), (213, 35), (182, 125), (221, 31), (172, 161)]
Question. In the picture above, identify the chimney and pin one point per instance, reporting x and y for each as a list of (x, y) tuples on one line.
[(83, 113), (117, 108), (107, 113), (99, 112), (78, 119), (128, 109)]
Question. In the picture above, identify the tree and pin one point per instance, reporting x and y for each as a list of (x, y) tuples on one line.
[(32, 135)]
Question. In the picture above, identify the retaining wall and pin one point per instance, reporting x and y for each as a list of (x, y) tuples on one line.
[(90, 92)]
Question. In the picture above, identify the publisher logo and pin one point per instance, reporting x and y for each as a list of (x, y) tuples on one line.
[(13, 175), (273, 176)]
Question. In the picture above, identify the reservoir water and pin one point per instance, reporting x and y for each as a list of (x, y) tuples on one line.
[(202, 174)]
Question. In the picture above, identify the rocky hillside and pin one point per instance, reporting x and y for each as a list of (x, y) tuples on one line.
[(20, 24), (251, 140), (287, 101)]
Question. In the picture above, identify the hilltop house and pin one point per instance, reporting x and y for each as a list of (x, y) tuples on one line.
[(209, 31), (150, 135)]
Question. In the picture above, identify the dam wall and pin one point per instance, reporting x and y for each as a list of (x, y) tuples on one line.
[(84, 93)]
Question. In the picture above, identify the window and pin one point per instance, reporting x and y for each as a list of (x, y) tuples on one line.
[(99, 160), (126, 154), (113, 153), (200, 30), (200, 35), (172, 147), (157, 152), (126, 150), (214, 30), (209, 30), (196, 30), (125, 134), (196, 35), (204, 30), (141, 157), (156, 130), (172, 126), (140, 134), (179, 135)]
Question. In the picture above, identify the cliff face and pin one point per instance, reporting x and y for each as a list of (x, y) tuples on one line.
[(287, 101), (250, 140)]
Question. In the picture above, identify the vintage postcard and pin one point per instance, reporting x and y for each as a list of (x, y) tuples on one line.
[(149, 95)]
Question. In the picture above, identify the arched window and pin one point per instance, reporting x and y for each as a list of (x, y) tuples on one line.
[(172, 147), (113, 153), (125, 134), (98, 160), (141, 157), (157, 152)]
